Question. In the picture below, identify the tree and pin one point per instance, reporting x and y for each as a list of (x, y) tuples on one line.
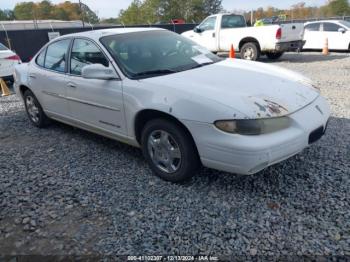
[(44, 10), (6, 15), (24, 11), (212, 6), (339, 7)]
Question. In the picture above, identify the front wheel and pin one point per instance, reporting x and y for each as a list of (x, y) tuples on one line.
[(169, 150), (274, 55), (250, 51), (34, 110)]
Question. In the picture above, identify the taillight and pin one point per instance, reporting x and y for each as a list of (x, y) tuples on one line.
[(13, 57), (279, 33)]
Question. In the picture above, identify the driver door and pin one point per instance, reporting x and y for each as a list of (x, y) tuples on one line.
[(206, 35)]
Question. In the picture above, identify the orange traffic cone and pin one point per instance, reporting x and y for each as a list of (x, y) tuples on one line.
[(4, 89), (325, 50), (232, 52)]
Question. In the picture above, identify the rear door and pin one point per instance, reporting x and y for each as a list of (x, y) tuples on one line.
[(94, 102), (207, 35), (313, 36), (47, 77), (336, 40)]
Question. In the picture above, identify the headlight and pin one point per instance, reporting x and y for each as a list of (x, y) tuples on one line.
[(253, 126)]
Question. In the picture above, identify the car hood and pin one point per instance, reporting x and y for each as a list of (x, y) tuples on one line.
[(254, 89)]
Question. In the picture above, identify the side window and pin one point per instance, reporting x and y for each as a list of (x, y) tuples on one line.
[(313, 27), (2, 47), (40, 60), (84, 53), (56, 55), (232, 21), (330, 27), (208, 24)]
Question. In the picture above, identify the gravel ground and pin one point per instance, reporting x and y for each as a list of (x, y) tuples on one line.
[(67, 191)]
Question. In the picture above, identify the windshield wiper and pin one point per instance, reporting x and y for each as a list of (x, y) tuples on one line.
[(154, 72), (203, 64)]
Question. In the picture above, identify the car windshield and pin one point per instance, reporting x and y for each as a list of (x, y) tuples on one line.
[(154, 53), (345, 23), (2, 47)]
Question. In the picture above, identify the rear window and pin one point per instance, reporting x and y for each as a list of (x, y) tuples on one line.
[(232, 21), (2, 47)]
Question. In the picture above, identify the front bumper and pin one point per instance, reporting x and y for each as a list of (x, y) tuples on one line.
[(290, 46), (250, 154)]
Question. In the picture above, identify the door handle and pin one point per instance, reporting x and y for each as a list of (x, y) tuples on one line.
[(213, 34), (72, 85), (32, 76)]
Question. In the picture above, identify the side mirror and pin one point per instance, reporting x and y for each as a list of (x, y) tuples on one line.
[(98, 71), (197, 30), (341, 30)]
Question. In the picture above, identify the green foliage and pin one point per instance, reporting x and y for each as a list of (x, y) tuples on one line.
[(24, 11), (6, 15), (46, 10), (153, 11), (339, 7)]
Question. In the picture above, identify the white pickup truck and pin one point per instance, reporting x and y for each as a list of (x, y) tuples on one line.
[(218, 32)]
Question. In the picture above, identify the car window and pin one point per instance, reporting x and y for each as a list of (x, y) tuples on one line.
[(84, 53), (40, 60), (313, 27), (331, 27), (232, 21), (2, 47), (208, 24), (56, 55)]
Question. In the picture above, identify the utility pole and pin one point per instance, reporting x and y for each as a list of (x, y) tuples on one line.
[(81, 13)]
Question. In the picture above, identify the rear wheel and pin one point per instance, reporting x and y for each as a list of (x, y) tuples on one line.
[(274, 55), (34, 110), (250, 51), (169, 150)]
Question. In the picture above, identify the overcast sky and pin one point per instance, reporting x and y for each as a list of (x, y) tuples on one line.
[(110, 8)]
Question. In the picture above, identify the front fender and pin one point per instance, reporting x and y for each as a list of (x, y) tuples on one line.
[(182, 105)]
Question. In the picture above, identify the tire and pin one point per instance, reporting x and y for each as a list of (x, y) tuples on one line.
[(169, 150), (34, 110), (250, 51), (274, 55)]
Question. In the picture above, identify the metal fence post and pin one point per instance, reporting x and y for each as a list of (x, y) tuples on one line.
[(7, 37)]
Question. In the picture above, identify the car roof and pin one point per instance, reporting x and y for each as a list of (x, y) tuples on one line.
[(97, 34), (323, 21)]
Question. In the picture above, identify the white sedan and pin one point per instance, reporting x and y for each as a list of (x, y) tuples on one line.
[(8, 60), (183, 105), (336, 31)]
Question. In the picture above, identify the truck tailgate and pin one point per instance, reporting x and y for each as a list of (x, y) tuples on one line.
[(292, 32)]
